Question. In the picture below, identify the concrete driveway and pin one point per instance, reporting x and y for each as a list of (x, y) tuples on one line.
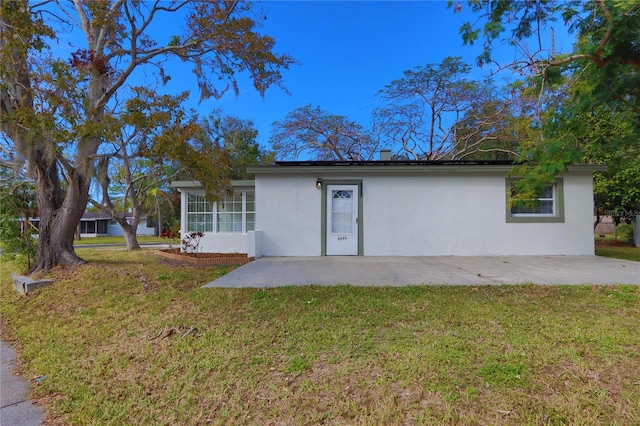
[(452, 270)]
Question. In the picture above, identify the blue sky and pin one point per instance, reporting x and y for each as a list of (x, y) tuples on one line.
[(348, 51)]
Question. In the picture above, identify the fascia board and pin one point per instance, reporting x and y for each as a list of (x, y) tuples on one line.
[(249, 183), (405, 169)]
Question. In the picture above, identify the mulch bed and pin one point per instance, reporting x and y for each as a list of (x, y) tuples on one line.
[(174, 254)]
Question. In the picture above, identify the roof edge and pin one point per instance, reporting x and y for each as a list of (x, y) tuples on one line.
[(197, 184), (391, 167)]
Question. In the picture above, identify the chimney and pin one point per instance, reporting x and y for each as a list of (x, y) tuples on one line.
[(385, 155)]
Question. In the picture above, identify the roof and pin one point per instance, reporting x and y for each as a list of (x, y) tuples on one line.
[(95, 216), (396, 163), (104, 216), (195, 184), (395, 167)]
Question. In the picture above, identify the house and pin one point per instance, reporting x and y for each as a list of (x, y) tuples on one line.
[(392, 208), (96, 224)]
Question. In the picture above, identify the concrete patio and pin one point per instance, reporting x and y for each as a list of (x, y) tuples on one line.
[(451, 270)]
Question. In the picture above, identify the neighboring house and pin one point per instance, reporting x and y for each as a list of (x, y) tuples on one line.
[(96, 224), (391, 208)]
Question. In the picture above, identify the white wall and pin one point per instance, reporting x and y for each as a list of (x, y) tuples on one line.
[(288, 214), (423, 215)]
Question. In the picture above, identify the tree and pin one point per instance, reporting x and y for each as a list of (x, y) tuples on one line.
[(141, 157), (238, 140), (17, 206), (435, 112), (309, 131), (598, 77), (604, 133), (57, 111), (607, 32)]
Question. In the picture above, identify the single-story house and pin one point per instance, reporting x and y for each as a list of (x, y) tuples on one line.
[(96, 224), (391, 208)]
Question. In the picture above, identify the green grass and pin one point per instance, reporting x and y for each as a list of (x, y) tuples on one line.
[(610, 248), (127, 339)]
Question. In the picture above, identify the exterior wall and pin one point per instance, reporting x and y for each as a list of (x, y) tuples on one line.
[(116, 230), (423, 215), (288, 214)]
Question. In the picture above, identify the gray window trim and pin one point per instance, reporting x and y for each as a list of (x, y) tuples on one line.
[(559, 205)]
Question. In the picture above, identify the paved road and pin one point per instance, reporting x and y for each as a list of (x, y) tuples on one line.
[(452, 270)]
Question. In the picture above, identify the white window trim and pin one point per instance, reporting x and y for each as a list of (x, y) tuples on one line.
[(553, 199), (188, 213), (214, 213)]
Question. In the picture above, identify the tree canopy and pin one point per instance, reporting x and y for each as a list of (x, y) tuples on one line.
[(589, 96), (432, 112), (58, 111)]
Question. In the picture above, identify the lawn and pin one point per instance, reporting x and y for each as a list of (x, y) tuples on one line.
[(127, 339), (618, 250)]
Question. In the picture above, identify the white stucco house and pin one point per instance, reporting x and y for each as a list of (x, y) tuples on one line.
[(391, 208)]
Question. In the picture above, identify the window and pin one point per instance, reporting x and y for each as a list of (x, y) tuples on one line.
[(250, 209), (342, 212), (233, 213), (545, 205), (88, 227), (549, 206), (101, 226), (236, 212), (199, 213), (229, 216)]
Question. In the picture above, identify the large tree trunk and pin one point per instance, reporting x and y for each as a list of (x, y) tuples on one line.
[(130, 237), (129, 229), (60, 214)]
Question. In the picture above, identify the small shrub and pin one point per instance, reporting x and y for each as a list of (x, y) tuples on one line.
[(191, 242), (18, 245), (169, 234), (625, 233)]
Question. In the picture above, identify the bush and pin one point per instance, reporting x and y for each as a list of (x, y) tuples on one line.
[(624, 233), (17, 245)]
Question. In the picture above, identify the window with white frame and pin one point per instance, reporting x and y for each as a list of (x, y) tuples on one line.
[(250, 211), (199, 213), (232, 213), (229, 213), (544, 205), (547, 207), (236, 212)]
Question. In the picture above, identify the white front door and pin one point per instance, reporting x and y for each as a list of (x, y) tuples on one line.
[(342, 220)]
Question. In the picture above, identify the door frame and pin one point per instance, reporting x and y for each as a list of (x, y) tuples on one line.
[(323, 216)]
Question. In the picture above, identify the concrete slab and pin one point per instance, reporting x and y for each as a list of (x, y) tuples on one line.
[(25, 284), (15, 408), (451, 270)]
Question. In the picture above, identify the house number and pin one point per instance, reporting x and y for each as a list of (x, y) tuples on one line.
[(344, 238)]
